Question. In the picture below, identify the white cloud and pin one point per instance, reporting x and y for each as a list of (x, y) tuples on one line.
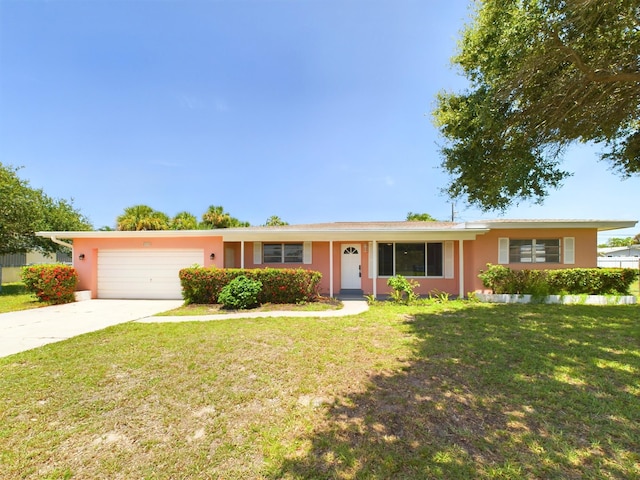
[(189, 102)]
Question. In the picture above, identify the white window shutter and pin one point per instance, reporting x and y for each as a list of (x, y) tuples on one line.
[(370, 259), (306, 253), (569, 255), (503, 250), (448, 259), (257, 253)]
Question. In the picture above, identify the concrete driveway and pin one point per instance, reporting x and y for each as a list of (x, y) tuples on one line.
[(27, 329)]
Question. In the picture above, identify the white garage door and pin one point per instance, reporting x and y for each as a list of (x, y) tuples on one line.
[(148, 274)]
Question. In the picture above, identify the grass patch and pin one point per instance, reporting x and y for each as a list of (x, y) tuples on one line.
[(14, 297), (216, 309), (455, 390)]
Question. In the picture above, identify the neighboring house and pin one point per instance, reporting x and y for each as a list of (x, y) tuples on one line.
[(360, 257), (630, 251), (621, 257), (11, 263)]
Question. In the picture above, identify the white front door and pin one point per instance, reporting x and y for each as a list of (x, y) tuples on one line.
[(350, 267)]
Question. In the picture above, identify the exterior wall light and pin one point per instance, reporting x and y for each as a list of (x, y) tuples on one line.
[(212, 256), (81, 257)]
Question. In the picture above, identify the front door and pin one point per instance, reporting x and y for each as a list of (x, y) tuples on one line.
[(350, 267)]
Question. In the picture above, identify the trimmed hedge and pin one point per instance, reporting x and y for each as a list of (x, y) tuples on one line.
[(51, 283), (279, 285), (572, 281)]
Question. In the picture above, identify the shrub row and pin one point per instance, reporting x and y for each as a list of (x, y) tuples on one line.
[(279, 285), (573, 281), (51, 283)]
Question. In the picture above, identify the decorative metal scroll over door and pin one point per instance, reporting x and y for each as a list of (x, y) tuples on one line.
[(351, 269)]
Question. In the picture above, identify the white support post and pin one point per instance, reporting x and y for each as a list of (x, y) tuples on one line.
[(374, 274), (461, 265), (331, 268), (242, 254)]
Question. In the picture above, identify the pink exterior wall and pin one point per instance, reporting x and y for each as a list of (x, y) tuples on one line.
[(427, 285), (88, 268), (485, 250), (477, 253), (321, 259), (319, 262)]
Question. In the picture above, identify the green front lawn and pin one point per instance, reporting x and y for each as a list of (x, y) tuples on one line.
[(453, 390), (14, 297)]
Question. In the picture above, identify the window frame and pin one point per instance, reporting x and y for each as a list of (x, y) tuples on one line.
[(285, 255), (384, 260), (536, 255)]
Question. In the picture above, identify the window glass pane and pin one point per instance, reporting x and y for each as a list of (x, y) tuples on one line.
[(385, 259), (293, 253), (272, 253), (548, 251), (410, 259), (434, 260), (520, 251)]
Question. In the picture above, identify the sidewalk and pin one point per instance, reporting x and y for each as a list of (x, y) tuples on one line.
[(350, 307), (27, 329)]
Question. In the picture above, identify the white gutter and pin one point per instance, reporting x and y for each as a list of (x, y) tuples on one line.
[(60, 242)]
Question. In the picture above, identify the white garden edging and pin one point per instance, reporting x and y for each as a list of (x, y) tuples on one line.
[(564, 299)]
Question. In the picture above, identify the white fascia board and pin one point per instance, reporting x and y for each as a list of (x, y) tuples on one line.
[(351, 235), (131, 234), (600, 225), (249, 234)]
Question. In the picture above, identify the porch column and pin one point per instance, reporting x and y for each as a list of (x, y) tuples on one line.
[(331, 268), (461, 269), (242, 254), (374, 265)]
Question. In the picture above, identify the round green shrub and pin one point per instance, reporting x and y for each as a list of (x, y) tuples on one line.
[(240, 293)]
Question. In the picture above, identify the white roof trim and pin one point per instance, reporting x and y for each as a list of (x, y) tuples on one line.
[(363, 231), (601, 225)]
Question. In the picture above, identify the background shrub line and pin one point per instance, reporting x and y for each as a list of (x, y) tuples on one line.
[(571, 281)]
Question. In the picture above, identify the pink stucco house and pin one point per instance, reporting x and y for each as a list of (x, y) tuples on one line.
[(444, 256)]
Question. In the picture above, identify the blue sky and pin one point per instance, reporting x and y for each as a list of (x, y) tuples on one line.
[(310, 110)]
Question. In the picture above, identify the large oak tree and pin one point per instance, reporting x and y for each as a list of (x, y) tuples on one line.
[(543, 74), (25, 210)]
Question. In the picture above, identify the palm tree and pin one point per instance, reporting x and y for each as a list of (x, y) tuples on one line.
[(184, 221), (142, 217), (275, 221), (420, 217), (216, 217)]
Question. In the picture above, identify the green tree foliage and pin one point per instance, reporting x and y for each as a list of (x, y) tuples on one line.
[(420, 217), (25, 210), (142, 217), (216, 217), (184, 221), (275, 221), (543, 74), (620, 242)]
